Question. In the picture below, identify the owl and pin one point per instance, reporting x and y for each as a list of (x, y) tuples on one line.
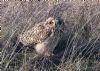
[(44, 36)]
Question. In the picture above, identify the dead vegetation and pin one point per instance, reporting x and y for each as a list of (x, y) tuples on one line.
[(79, 49)]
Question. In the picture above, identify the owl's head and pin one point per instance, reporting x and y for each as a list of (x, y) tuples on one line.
[(55, 23), (51, 22)]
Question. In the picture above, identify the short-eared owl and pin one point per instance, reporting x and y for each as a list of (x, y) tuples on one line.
[(44, 35)]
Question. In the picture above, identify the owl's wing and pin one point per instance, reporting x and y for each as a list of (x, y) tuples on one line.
[(37, 34), (40, 33)]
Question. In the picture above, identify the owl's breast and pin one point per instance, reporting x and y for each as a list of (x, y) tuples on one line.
[(41, 35)]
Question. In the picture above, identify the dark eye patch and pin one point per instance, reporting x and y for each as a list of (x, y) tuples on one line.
[(51, 22)]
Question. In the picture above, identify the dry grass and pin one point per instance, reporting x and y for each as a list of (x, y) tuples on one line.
[(79, 49)]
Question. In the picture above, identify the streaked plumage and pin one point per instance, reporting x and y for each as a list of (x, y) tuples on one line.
[(44, 35)]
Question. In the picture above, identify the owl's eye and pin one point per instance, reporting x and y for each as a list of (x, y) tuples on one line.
[(51, 22)]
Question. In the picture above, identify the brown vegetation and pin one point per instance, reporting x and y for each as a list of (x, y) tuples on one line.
[(80, 44)]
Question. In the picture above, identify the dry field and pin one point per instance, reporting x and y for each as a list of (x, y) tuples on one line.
[(79, 49)]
